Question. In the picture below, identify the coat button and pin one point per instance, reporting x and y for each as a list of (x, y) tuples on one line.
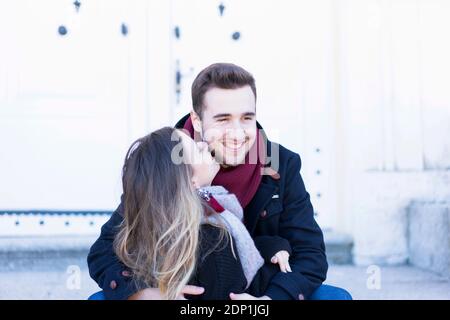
[(263, 214), (126, 273), (301, 297), (113, 284)]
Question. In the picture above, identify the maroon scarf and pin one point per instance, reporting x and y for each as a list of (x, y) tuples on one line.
[(244, 179)]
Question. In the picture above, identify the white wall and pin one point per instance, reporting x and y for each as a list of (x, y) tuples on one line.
[(289, 48), (394, 76), (364, 81)]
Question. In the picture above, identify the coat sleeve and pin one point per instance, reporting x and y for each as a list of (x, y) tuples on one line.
[(297, 224), (268, 246), (104, 266)]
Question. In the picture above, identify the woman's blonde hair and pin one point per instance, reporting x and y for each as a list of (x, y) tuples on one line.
[(159, 236)]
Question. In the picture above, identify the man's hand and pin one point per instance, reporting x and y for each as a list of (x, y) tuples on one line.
[(155, 293), (282, 258), (246, 296), (193, 290)]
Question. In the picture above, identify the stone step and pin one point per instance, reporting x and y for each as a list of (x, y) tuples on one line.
[(339, 247), (429, 236), (38, 252)]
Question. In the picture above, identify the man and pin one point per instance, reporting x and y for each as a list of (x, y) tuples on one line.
[(268, 185)]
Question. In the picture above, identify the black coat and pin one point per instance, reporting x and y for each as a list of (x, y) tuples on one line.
[(281, 207), (218, 269)]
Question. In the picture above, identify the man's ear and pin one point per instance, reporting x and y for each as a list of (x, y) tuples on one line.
[(196, 122)]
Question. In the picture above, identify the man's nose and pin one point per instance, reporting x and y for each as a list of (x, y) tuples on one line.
[(236, 131)]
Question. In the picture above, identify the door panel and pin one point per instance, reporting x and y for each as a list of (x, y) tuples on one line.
[(63, 107), (293, 69)]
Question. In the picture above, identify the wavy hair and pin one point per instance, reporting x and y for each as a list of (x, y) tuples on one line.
[(159, 236)]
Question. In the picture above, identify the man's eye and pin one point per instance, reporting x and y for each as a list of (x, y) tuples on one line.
[(221, 120), (248, 118)]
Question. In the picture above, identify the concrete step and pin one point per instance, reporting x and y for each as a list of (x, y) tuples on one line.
[(429, 236), (339, 247), (389, 282), (40, 252)]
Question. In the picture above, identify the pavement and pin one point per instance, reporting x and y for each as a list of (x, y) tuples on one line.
[(67, 278), (389, 283)]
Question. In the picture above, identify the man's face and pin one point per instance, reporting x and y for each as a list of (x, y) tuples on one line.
[(228, 123)]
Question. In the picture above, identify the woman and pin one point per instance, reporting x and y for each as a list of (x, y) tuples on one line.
[(175, 232)]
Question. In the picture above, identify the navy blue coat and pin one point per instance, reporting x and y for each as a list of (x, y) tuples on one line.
[(281, 207)]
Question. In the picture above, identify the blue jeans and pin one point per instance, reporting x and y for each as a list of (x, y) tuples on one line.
[(327, 292), (324, 292)]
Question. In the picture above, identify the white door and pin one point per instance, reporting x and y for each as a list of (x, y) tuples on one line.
[(288, 46), (64, 92)]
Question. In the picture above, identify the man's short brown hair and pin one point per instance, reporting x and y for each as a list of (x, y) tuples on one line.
[(219, 75)]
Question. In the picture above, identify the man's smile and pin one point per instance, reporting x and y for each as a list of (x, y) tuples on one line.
[(234, 146)]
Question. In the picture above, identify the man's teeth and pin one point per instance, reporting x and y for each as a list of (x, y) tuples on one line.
[(235, 146)]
